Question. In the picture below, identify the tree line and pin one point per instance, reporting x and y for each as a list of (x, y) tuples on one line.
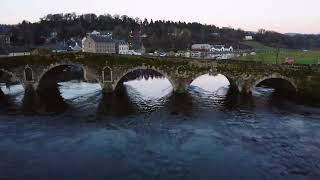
[(155, 35)]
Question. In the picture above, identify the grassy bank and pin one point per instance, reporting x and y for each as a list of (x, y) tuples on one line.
[(300, 57), (272, 55)]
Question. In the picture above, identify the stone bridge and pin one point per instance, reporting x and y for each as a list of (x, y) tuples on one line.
[(109, 70)]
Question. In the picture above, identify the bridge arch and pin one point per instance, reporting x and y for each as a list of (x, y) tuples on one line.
[(53, 66), (232, 83), (50, 96), (276, 77), (118, 79)]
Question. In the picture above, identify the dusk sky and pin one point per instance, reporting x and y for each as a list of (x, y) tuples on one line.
[(279, 15)]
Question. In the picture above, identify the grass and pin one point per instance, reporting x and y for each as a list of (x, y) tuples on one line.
[(300, 57), (269, 55), (258, 46)]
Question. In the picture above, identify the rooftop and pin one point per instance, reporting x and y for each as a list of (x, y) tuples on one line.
[(101, 38)]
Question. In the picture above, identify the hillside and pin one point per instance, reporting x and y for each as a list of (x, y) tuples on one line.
[(155, 35), (257, 46)]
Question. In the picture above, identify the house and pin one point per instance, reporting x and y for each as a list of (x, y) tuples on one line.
[(248, 38), (76, 48), (139, 48), (171, 54), (220, 48), (202, 47), (94, 33), (55, 47), (122, 47), (196, 54), (96, 43), (186, 54)]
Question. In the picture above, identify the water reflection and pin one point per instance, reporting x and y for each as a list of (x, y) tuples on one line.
[(218, 84), (11, 97)]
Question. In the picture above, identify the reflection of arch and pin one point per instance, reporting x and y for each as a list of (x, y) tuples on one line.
[(275, 76), (52, 66), (28, 74), (117, 80), (107, 74), (231, 81)]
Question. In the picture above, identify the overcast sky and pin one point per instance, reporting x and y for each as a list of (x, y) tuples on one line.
[(279, 15)]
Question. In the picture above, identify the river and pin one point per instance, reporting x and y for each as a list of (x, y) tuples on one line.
[(145, 131)]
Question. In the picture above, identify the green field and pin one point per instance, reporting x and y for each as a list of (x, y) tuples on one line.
[(272, 55), (309, 57), (258, 46)]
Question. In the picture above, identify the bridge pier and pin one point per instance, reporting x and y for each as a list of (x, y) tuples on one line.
[(107, 87), (180, 86), (30, 99)]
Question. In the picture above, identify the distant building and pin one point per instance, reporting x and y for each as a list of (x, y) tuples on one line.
[(139, 48), (53, 34), (94, 33), (186, 54), (248, 38), (221, 48), (95, 43), (202, 47), (196, 54), (122, 47), (55, 47), (76, 48)]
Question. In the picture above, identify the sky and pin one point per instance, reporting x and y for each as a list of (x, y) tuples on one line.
[(285, 16)]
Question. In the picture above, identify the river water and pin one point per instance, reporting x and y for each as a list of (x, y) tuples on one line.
[(144, 131)]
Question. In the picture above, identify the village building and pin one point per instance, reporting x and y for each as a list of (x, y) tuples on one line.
[(95, 43), (76, 48), (138, 49), (248, 38), (122, 47), (200, 47), (186, 54), (221, 48), (196, 54)]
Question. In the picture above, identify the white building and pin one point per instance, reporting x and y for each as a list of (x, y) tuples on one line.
[(196, 54), (186, 54), (221, 48), (248, 38), (122, 47)]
